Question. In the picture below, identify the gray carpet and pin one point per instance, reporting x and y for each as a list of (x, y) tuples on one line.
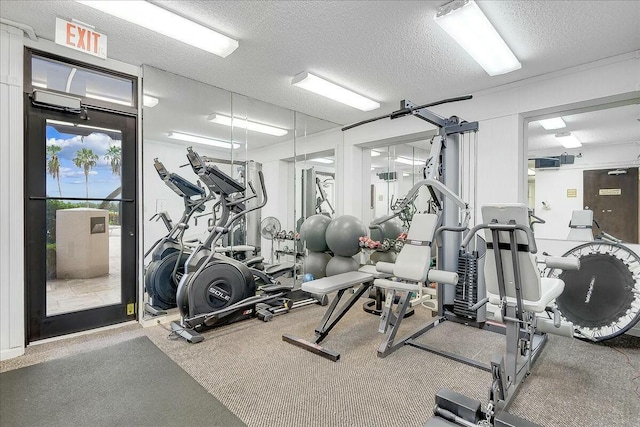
[(132, 383), (268, 382)]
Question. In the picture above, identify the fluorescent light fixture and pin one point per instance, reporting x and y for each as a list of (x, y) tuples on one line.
[(149, 101), (246, 124), (39, 84), (405, 174), (201, 140), (375, 153), (469, 27), (553, 124), (568, 140), (162, 21), (321, 160), (107, 99), (407, 161), (372, 168), (322, 87), (531, 172)]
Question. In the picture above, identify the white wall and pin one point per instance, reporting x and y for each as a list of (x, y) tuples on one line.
[(12, 304), (551, 185)]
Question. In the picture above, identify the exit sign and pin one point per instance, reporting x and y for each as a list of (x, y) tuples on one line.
[(82, 37)]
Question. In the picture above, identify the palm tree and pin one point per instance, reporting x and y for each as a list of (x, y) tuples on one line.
[(85, 158), (53, 163), (114, 153)]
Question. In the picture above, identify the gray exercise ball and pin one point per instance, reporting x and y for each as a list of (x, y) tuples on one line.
[(391, 230), (316, 263), (312, 232), (343, 234), (383, 256), (341, 264)]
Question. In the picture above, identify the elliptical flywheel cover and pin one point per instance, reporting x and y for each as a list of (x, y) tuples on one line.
[(159, 280), (602, 298), (218, 285)]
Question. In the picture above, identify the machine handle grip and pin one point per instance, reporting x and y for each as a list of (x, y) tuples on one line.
[(446, 277), (562, 263)]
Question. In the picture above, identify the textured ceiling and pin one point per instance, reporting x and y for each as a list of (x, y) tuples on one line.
[(387, 50)]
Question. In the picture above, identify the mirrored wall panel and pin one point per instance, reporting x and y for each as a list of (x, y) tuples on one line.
[(583, 173), (394, 170), (216, 160)]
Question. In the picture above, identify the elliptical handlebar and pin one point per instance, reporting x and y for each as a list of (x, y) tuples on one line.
[(233, 207), (262, 201)]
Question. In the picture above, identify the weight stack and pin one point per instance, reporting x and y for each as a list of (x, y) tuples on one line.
[(467, 286)]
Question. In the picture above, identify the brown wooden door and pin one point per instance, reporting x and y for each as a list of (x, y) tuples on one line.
[(613, 198)]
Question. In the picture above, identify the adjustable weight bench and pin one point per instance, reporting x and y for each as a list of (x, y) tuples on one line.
[(411, 271), (341, 283)]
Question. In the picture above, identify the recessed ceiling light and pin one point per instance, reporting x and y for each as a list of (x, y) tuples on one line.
[(246, 124), (553, 124), (162, 21), (201, 140), (405, 174), (330, 90), (469, 27), (568, 140)]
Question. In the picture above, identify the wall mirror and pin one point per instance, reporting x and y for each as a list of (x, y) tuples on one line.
[(585, 160), (240, 136), (394, 170)]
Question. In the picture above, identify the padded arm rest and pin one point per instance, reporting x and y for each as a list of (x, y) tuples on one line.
[(385, 267), (562, 263), (440, 276)]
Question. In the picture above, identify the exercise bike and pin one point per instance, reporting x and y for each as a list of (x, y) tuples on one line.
[(169, 253), (217, 290)]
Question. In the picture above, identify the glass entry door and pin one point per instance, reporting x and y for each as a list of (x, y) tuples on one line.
[(80, 220)]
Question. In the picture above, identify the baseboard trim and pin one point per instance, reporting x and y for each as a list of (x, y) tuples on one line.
[(10, 353)]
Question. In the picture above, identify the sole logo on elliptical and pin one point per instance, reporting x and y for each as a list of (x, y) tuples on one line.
[(590, 291), (218, 293)]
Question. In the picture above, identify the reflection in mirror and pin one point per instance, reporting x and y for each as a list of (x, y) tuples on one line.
[(314, 182), (177, 121), (583, 173), (394, 170), (244, 139)]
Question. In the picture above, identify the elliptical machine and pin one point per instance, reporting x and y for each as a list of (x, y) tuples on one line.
[(217, 290), (169, 253)]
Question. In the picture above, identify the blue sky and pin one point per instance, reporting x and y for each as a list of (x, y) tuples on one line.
[(72, 179)]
